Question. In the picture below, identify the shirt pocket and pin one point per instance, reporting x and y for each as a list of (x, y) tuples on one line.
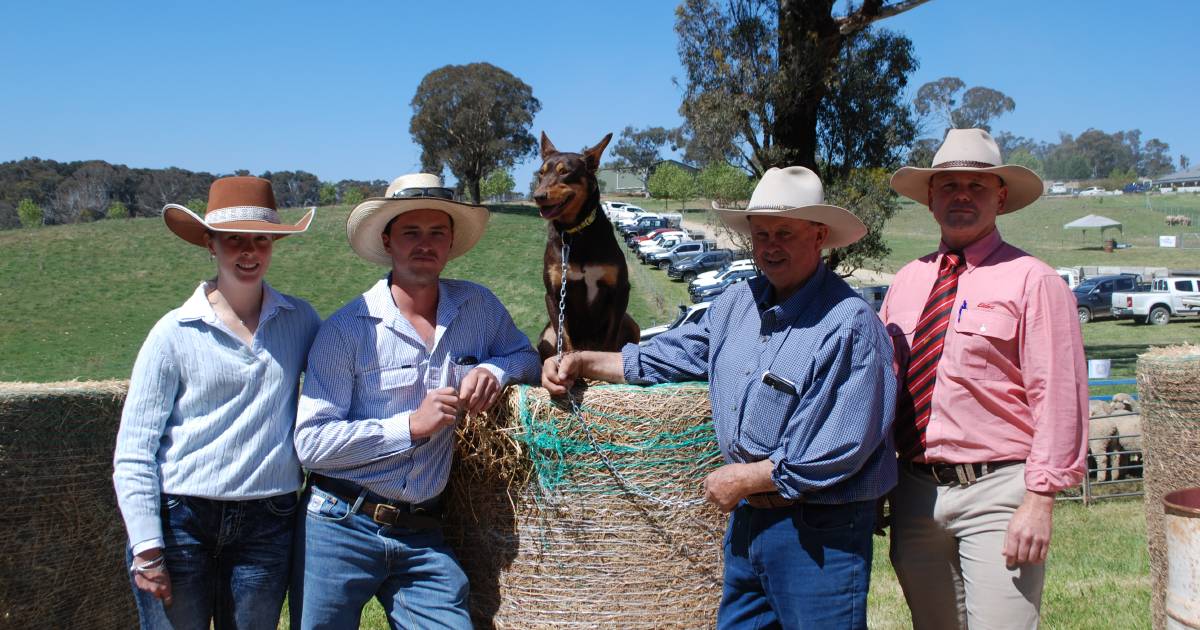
[(395, 380), (983, 345), (767, 413)]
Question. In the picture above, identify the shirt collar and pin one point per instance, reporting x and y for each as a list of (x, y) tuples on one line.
[(378, 302), (976, 252), (764, 292), (198, 307)]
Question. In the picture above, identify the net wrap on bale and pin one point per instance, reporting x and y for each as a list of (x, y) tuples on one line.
[(556, 528), (1169, 389)]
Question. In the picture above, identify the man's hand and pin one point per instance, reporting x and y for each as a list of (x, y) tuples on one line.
[(438, 410), (1028, 538), (155, 581), (479, 390), (559, 376), (729, 484)]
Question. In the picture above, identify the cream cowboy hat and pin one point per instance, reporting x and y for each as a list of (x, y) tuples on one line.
[(795, 192), (972, 151), (416, 191), (235, 204)]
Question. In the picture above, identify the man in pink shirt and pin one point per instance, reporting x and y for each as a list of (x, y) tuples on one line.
[(991, 420)]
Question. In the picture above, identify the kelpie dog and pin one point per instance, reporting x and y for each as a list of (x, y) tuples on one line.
[(568, 197)]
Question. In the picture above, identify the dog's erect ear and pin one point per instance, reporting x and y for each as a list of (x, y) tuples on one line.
[(547, 146), (592, 156)]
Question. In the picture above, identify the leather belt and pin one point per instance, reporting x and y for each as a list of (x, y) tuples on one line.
[(427, 515), (770, 500), (964, 475)]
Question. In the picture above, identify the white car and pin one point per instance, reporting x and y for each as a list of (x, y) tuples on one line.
[(1057, 188), (1094, 191), (686, 314), (709, 278), (612, 207), (660, 241)]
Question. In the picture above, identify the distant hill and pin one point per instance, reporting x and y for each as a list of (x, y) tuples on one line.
[(73, 192)]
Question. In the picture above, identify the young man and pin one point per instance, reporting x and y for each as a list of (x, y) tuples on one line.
[(388, 377), (802, 396), (992, 414)]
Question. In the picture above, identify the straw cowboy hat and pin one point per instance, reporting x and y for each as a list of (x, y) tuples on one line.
[(971, 151), (416, 191), (235, 204), (795, 192)]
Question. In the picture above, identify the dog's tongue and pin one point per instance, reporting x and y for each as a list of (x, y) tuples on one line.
[(548, 213)]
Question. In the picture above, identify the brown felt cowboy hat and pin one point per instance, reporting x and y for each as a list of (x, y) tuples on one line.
[(972, 151), (415, 191), (795, 192), (235, 204)]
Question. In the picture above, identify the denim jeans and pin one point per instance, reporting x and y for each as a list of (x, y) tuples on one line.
[(228, 561), (803, 566), (344, 558)]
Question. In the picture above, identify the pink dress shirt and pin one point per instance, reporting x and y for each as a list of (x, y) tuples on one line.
[(1012, 380)]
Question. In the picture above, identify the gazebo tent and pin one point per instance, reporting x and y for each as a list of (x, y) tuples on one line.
[(1094, 221)]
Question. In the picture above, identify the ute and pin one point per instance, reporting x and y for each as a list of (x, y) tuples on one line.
[(1167, 298)]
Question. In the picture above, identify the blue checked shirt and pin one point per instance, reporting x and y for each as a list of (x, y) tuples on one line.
[(369, 369), (830, 441), (207, 416)]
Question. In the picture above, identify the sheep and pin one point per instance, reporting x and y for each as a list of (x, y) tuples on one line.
[(1101, 426)]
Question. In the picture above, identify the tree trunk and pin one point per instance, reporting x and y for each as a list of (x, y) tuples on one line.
[(809, 42), (473, 184)]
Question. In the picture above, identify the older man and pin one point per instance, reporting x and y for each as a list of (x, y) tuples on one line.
[(802, 396), (388, 376), (992, 415)]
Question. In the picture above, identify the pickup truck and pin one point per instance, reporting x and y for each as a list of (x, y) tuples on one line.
[(1093, 296), (681, 251), (1167, 298)]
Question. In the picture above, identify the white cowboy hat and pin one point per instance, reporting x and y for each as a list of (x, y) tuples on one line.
[(795, 192), (235, 204), (415, 191), (973, 151)]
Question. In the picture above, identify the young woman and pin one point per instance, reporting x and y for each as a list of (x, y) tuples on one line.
[(205, 470)]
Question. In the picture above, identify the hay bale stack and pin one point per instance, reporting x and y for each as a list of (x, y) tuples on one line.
[(550, 537), (62, 563), (1169, 388)]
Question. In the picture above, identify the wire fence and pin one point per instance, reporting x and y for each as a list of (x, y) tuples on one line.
[(1114, 445)]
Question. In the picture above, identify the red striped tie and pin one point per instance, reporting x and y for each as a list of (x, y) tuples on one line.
[(916, 398)]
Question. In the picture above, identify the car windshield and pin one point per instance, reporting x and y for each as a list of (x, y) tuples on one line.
[(1086, 286)]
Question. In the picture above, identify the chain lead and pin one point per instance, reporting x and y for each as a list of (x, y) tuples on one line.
[(577, 414)]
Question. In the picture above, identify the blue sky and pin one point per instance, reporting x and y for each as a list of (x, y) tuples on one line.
[(325, 87)]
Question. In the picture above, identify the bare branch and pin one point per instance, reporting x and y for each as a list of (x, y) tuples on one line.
[(873, 11)]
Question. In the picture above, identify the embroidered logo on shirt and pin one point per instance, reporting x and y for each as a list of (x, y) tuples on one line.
[(987, 306)]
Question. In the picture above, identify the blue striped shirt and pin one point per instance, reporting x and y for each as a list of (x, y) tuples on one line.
[(830, 441), (206, 415), (369, 369)]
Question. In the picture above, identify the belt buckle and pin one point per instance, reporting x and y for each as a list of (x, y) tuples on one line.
[(966, 475), (386, 509)]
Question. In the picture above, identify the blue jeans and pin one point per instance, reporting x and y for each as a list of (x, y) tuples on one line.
[(803, 566), (228, 562), (344, 558)]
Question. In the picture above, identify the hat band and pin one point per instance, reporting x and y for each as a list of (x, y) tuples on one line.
[(241, 213), (964, 164)]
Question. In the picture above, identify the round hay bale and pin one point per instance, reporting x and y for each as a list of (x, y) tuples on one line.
[(62, 561), (555, 528), (1169, 388)]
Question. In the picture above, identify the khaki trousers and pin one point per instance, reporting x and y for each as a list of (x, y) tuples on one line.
[(947, 544)]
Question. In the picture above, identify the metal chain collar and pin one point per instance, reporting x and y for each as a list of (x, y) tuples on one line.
[(577, 414)]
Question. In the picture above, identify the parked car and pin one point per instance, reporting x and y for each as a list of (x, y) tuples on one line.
[(874, 295), (1057, 188), (732, 277), (1167, 298), (635, 239), (681, 251), (1094, 191), (664, 239), (625, 213), (612, 207), (688, 269), (1093, 297), (687, 314), (710, 276)]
